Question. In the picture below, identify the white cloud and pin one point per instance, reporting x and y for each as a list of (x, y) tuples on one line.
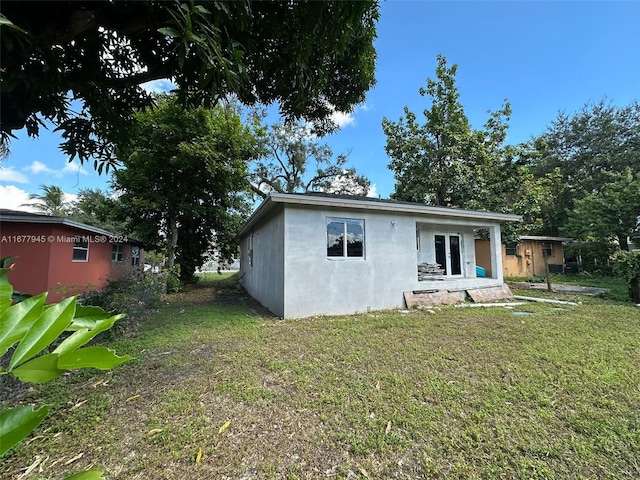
[(343, 119), (70, 197), (38, 167), (74, 167), (13, 198), (159, 86), (373, 191), (9, 174)]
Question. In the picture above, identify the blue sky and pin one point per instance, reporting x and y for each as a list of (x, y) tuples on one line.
[(544, 57)]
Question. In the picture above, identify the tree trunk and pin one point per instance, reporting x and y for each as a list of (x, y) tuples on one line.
[(173, 241), (623, 242), (546, 271), (634, 290)]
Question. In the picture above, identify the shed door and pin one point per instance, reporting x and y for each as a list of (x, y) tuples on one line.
[(449, 253)]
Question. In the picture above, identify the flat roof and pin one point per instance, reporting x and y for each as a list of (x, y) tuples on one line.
[(317, 199), (543, 238)]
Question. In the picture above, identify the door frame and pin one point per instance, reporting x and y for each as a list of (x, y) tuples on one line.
[(447, 244)]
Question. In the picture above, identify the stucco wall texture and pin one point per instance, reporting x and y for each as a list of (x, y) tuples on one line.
[(291, 274)]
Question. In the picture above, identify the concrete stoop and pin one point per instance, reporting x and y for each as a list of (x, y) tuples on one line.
[(434, 298)]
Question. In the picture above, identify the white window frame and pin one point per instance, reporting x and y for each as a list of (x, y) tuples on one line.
[(345, 222), (77, 248), (119, 252)]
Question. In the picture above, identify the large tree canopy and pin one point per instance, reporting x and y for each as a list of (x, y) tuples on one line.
[(293, 160), (597, 153), (195, 194), (444, 161), (311, 57)]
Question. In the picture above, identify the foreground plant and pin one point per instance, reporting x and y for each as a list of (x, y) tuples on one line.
[(33, 328)]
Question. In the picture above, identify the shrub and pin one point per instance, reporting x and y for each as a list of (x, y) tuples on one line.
[(173, 282), (627, 265), (131, 293)]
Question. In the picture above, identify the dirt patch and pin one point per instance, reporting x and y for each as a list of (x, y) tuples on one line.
[(558, 287)]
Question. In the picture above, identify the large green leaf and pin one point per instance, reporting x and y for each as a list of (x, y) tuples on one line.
[(39, 370), (6, 290), (88, 475), (81, 337), (17, 423), (17, 320), (86, 317), (91, 357), (45, 330)]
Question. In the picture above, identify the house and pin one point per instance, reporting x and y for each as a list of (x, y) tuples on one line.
[(526, 258), (62, 256), (315, 254)]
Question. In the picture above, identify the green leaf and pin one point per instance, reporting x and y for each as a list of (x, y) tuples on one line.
[(5, 22), (88, 475), (39, 370), (81, 337), (91, 357), (17, 320), (45, 330), (6, 290), (17, 423), (202, 10), (169, 32), (87, 317)]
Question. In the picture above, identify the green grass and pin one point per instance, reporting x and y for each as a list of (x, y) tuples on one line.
[(462, 393)]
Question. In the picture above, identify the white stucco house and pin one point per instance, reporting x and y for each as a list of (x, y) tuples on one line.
[(325, 254)]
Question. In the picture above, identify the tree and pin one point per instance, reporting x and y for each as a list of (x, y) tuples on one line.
[(444, 161), (311, 57), (610, 214), (590, 148), (98, 208), (51, 202), (293, 161), (627, 266), (197, 191)]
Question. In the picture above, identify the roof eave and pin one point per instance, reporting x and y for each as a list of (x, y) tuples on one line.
[(51, 220), (282, 198)]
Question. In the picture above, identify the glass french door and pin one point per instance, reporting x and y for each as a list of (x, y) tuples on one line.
[(448, 249)]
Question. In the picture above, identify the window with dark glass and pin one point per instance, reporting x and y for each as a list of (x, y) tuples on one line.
[(135, 256), (80, 250), (345, 238), (511, 249), (117, 253), (547, 249)]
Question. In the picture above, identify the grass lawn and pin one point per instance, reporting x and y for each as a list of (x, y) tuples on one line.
[(220, 389)]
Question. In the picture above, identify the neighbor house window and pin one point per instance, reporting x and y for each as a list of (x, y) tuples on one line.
[(345, 238), (117, 253), (547, 249), (511, 249), (135, 256), (80, 250)]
